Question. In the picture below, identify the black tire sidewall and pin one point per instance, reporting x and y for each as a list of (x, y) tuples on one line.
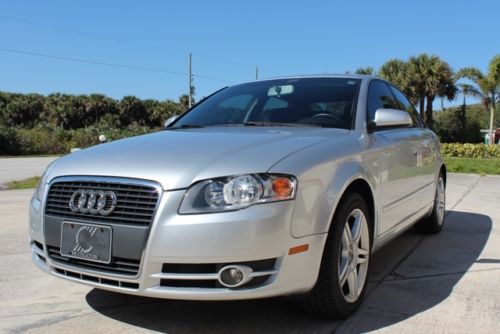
[(331, 256), (434, 215), (430, 224)]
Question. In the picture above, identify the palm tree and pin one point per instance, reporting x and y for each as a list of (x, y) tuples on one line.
[(428, 77), (366, 71), (396, 71), (420, 70), (132, 109), (487, 87), (445, 88), (98, 105), (184, 101), (466, 90)]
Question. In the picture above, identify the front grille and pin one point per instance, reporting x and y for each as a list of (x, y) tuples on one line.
[(117, 266), (95, 279), (135, 205)]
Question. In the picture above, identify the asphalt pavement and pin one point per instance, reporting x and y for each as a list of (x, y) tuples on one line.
[(445, 283), (12, 169)]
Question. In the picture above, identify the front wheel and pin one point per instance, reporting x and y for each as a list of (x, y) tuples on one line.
[(344, 268)]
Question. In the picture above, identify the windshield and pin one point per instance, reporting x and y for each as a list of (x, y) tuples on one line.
[(325, 102)]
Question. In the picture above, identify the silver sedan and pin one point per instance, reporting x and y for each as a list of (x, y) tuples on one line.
[(276, 187)]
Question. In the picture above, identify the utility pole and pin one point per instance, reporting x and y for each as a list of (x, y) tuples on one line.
[(257, 73), (190, 80)]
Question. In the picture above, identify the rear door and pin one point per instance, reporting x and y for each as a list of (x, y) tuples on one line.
[(424, 150)]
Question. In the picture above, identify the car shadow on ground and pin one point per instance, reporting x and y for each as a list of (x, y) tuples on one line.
[(453, 251)]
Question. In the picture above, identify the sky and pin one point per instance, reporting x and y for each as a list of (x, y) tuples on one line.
[(132, 47)]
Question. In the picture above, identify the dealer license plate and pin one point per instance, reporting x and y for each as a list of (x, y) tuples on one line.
[(86, 241)]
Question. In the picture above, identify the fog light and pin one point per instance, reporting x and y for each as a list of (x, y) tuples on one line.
[(234, 275)]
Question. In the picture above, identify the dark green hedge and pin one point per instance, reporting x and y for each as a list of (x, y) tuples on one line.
[(58, 141)]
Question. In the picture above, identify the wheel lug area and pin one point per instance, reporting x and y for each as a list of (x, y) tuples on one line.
[(352, 255)]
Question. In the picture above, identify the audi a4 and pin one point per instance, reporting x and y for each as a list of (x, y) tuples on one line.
[(279, 187)]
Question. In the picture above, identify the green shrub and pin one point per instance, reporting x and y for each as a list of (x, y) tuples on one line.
[(456, 125), (41, 141), (8, 141), (45, 140), (470, 150)]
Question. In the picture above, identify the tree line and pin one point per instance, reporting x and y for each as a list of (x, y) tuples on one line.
[(425, 77), (32, 124), (422, 78), (68, 112), (38, 124)]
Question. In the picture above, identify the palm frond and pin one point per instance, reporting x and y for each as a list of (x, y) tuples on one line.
[(469, 90), (366, 70), (470, 73), (494, 69)]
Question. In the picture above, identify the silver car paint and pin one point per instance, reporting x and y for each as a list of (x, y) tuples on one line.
[(213, 152), (390, 117), (401, 171)]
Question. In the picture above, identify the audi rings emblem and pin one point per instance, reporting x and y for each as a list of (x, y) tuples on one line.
[(95, 202)]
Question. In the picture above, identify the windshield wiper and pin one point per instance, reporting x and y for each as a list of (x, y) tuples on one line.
[(254, 123), (249, 123), (186, 126)]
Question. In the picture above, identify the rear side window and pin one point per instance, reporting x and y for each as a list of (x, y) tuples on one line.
[(379, 96), (405, 104)]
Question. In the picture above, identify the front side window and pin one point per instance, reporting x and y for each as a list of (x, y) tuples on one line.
[(379, 96), (405, 104), (323, 102)]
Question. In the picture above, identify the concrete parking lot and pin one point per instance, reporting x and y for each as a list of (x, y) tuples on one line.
[(446, 283)]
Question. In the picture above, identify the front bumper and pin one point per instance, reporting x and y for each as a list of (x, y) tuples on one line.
[(257, 233)]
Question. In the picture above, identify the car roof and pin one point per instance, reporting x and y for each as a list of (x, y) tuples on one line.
[(311, 76)]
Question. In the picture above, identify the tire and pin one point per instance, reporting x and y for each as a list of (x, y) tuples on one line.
[(434, 222), (330, 298)]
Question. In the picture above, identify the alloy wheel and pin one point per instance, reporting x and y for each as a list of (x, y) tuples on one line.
[(354, 256)]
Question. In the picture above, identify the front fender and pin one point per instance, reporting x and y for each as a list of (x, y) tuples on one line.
[(324, 171), (319, 193)]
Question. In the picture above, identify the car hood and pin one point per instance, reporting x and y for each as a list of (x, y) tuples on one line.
[(177, 158)]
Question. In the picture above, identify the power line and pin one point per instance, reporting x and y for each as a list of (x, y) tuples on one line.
[(87, 61), (93, 62), (118, 40), (211, 78), (90, 34)]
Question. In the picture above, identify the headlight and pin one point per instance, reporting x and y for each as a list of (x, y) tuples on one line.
[(237, 192), (40, 188)]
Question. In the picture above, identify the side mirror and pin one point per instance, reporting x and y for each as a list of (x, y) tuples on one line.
[(170, 120), (391, 118)]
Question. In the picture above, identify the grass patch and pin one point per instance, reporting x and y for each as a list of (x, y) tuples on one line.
[(472, 165), (24, 184), (29, 156)]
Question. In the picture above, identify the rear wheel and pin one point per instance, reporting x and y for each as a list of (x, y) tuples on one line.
[(344, 269), (434, 223)]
